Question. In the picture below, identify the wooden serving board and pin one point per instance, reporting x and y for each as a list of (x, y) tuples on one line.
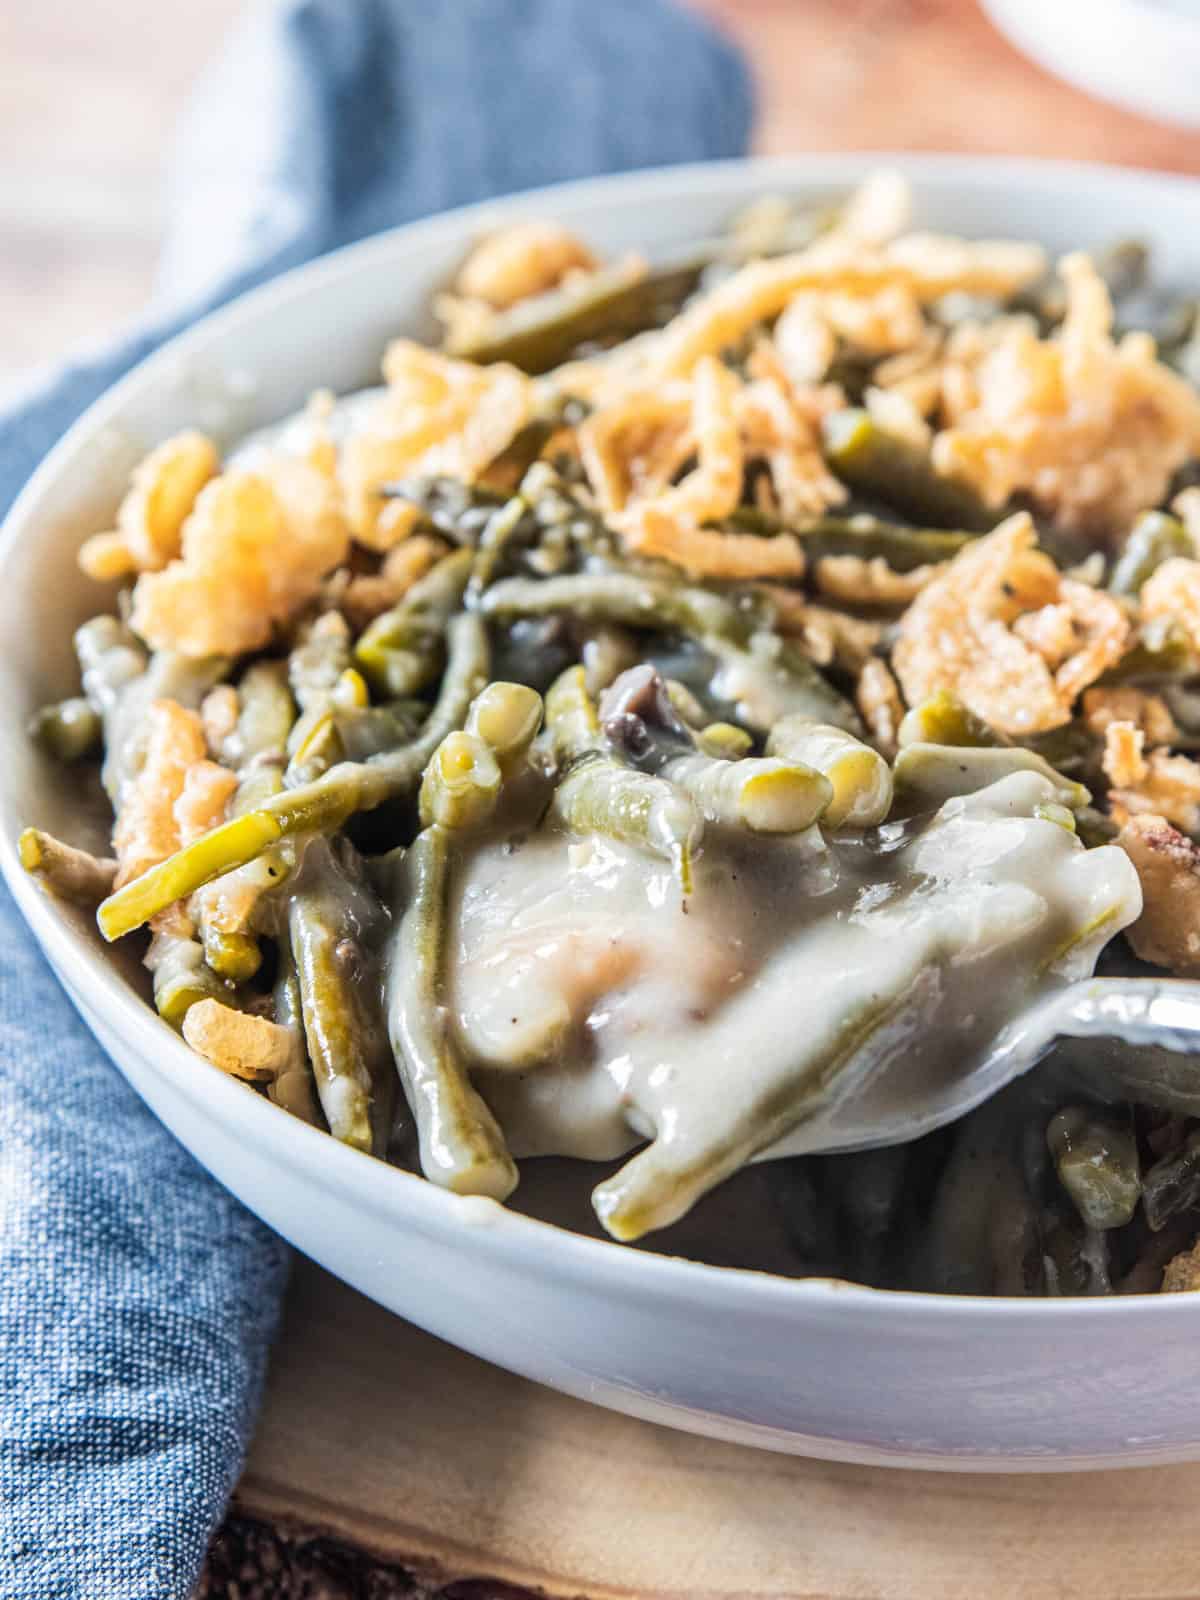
[(425, 1459)]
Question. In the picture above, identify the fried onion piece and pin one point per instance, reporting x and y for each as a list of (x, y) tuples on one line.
[(177, 795), (1158, 784), (150, 518), (1168, 867), (871, 582), (928, 266), (826, 637), (957, 634), (243, 1045), (364, 596), (878, 700), (439, 416), (1091, 430), (255, 549), (1148, 712), (668, 524), (523, 259), (1182, 1272), (1173, 591)]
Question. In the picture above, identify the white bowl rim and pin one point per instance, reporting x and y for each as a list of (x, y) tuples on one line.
[(400, 1195)]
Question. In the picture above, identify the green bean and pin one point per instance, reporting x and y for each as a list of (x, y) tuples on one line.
[(859, 779), (1094, 827), (461, 785), (181, 977), (1172, 1184), (294, 1089), (606, 650), (599, 794), (461, 1145), (891, 469), (459, 510), (258, 746), (266, 714), (761, 794), (506, 716), (502, 529), (366, 731), (330, 914), (1161, 655), (628, 598), (321, 806), (934, 773), (761, 673), (121, 683), (401, 651), (690, 712), (1075, 1256), (1097, 1164), (613, 302), (723, 740), (69, 731), (904, 549), (1073, 748), (235, 956), (318, 661), (72, 874), (943, 719), (1154, 538), (571, 718)]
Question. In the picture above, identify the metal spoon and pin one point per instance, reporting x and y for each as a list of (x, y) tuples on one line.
[(902, 1102)]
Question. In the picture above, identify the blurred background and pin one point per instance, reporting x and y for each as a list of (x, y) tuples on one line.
[(89, 96)]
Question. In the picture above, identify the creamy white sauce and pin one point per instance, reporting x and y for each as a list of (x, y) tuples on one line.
[(600, 1010)]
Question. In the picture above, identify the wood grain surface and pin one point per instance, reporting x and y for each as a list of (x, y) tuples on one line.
[(430, 1462)]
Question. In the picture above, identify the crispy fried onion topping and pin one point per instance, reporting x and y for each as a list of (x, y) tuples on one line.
[(1168, 867), (254, 549), (961, 633)]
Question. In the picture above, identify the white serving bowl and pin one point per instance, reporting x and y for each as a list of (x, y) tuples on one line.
[(813, 1367), (1143, 55)]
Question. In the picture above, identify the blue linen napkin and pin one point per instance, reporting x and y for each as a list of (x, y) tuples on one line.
[(137, 1298)]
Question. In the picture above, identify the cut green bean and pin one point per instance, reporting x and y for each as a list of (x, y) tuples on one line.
[(461, 785), (329, 911), (763, 675), (724, 740), (892, 470), (859, 778), (461, 1145), (322, 806), (599, 794), (1097, 1164), (903, 549), (506, 716), (182, 977), (613, 302), (402, 650), (760, 794), (930, 773), (70, 731), (294, 1089), (500, 533), (1154, 538), (72, 874), (943, 719)]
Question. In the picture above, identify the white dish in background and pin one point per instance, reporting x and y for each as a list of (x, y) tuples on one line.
[(1143, 55), (812, 1367)]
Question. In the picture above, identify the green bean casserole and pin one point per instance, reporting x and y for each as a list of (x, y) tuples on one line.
[(682, 690)]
